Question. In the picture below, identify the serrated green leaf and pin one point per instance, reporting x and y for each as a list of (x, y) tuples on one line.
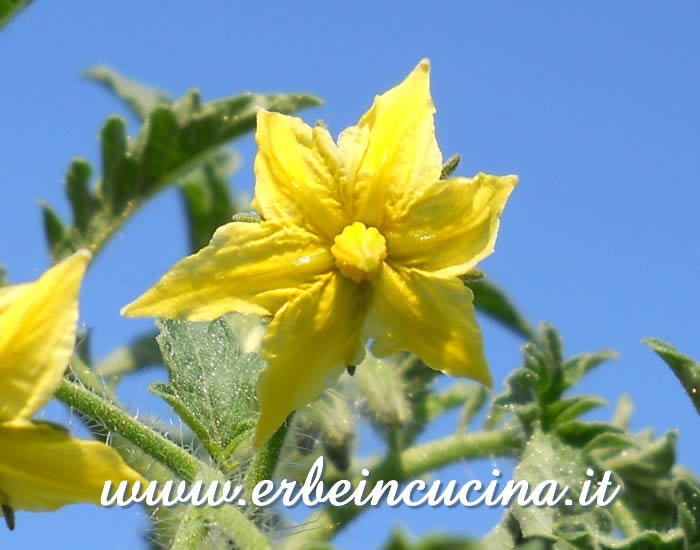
[(140, 99), (10, 8), (212, 385), (686, 370), (173, 140), (492, 301)]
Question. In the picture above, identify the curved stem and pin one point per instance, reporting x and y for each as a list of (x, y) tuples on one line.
[(114, 418)]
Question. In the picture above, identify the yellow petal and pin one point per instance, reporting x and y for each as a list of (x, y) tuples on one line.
[(247, 267), (429, 315), (8, 294), (37, 335), (392, 152), (452, 226), (43, 468), (308, 344), (296, 174)]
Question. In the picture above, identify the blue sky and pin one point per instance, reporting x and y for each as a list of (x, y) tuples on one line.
[(594, 106)]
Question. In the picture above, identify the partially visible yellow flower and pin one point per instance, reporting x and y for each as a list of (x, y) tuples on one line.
[(360, 240), (41, 466)]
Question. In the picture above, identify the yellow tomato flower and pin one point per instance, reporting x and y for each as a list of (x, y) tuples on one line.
[(41, 466), (360, 240)]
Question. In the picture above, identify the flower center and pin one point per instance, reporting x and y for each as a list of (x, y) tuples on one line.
[(359, 251)]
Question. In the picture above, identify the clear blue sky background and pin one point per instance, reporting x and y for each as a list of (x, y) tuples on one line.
[(596, 108)]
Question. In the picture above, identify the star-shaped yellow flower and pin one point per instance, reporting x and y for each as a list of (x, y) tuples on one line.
[(360, 240), (41, 466)]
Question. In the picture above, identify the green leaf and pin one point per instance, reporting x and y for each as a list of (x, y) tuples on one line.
[(685, 369), (10, 8), (140, 99), (212, 385), (173, 140), (492, 301)]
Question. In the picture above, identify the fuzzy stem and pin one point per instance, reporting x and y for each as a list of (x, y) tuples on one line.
[(409, 464), (115, 419)]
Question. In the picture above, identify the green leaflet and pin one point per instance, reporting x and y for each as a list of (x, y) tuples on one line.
[(205, 189), (534, 392), (685, 369), (212, 385)]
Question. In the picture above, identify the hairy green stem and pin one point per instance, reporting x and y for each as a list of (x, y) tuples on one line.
[(410, 463), (116, 419)]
